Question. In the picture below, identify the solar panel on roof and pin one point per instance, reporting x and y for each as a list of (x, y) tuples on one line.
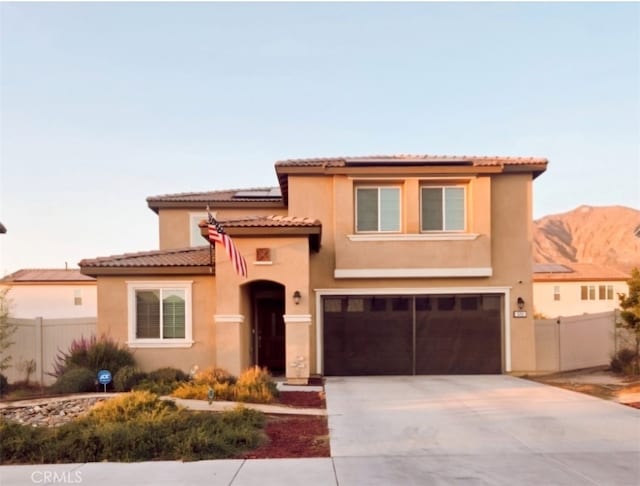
[(550, 268), (400, 161), (272, 193)]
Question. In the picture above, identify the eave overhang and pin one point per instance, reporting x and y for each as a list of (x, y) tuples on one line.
[(407, 166), (262, 228), (147, 271), (155, 206)]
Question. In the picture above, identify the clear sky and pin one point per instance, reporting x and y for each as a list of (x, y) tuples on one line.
[(104, 104)]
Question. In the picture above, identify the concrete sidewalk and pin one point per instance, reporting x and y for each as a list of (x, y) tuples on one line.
[(231, 472)]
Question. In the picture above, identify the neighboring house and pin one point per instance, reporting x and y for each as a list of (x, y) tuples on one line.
[(51, 293), (368, 265), (576, 288)]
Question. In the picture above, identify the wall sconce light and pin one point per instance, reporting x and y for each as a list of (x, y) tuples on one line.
[(520, 303), (297, 296)]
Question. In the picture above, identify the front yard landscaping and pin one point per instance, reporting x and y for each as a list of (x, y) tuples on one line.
[(135, 426), (138, 426)]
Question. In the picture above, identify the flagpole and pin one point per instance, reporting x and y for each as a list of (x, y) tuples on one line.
[(210, 246)]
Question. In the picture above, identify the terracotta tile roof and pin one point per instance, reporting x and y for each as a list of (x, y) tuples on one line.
[(182, 257), (576, 272), (272, 221), (410, 159), (47, 275)]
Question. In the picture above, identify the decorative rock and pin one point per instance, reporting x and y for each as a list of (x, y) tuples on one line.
[(52, 414)]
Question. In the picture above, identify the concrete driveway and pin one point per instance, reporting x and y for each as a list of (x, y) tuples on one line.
[(477, 430)]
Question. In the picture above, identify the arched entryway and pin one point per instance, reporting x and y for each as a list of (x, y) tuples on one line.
[(268, 329)]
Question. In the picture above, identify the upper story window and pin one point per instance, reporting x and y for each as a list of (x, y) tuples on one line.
[(195, 237), (160, 314), (77, 297), (442, 208), (556, 292), (378, 209)]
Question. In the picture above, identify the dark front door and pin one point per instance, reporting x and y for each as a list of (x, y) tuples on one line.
[(270, 343)]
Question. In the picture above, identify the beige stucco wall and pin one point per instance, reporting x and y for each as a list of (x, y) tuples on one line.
[(289, 266), (52, 300), (500, 212), (512, 227), (571, 303), (113, 321), (398, 253), (174, 224)]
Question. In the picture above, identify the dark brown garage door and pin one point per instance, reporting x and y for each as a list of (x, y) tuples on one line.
[(404, 335)]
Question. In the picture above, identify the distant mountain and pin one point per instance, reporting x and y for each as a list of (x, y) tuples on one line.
[(608, 235)]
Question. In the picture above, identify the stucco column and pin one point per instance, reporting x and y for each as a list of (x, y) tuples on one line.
[(229, 342), (297, 352)]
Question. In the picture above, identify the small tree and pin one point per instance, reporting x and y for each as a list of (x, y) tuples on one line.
[(630, 315), (6, 330)]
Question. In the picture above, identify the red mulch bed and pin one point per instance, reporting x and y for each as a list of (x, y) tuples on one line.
[(295, 435), (302, 399)]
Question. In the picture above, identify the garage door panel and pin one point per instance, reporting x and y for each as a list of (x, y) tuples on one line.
[(454, 334), (368, 337), (457, 336)]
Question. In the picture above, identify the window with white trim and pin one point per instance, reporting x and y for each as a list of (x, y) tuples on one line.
[(588, 292), (605, 292), (556, 292), (195, 237), (442, 208), (378, 209), (160, 314)]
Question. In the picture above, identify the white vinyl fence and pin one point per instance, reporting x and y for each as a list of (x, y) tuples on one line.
[(40, 340), (575, 342)]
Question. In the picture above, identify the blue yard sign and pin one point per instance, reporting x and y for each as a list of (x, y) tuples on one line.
[(104, 378)]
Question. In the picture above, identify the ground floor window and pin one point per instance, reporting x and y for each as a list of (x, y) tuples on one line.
[(605, 292), (588, 292), (160, 313)]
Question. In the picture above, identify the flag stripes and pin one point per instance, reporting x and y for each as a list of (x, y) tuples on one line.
[(218, 235)]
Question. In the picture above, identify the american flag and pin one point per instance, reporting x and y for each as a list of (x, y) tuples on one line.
[(217, 235)]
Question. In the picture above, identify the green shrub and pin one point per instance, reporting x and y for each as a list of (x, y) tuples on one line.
[(137, 405), (168, 375), (200, 391), (4, 384), (134, 427), (157, 388), (256, 385), (76, 380), (212, 376), (128, 377), (93, 354), (162, 381), (622, 361)]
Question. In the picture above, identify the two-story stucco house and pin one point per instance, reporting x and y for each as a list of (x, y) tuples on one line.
[(367, 265)]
